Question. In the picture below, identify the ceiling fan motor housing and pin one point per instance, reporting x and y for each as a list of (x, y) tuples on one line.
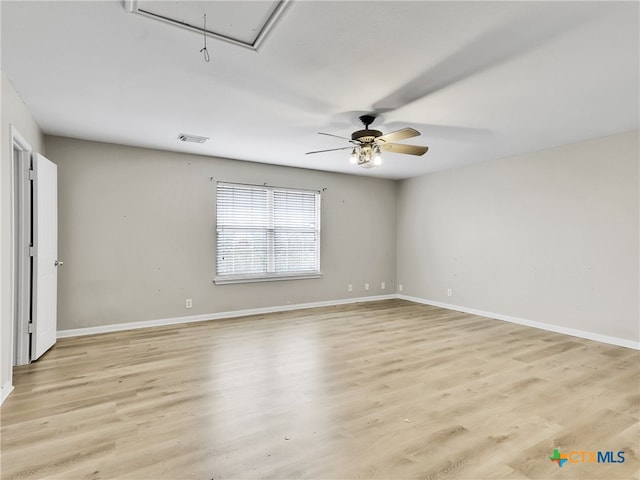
[(366, 136)]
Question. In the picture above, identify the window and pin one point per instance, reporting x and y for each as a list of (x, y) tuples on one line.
[(266, 233)]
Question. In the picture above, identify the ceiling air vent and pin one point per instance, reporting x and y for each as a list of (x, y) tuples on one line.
[(185, 137)]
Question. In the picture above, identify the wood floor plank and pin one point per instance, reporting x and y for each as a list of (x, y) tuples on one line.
[(382, 390)]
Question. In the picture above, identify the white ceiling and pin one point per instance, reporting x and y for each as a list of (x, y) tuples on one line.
[(480, 80)]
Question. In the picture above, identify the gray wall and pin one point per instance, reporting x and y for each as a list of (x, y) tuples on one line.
[(549, 237), (137, 234), (15, 113)]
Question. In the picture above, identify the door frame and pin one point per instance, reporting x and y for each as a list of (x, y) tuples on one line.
[(22, 238)]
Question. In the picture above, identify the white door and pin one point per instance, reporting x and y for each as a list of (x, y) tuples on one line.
[(45, 263)]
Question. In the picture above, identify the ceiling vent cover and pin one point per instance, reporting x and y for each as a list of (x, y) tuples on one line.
[(185, 137)]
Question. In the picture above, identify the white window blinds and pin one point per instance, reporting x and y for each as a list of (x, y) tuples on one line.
[(266, 233)]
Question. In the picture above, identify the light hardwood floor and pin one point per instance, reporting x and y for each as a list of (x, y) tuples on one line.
[(387, 389)]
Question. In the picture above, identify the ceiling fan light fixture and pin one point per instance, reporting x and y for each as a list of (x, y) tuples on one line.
[(377, 156), (353, 159), (365, 155)]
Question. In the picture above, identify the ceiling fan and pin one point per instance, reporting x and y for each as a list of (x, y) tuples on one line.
[(368, 144)]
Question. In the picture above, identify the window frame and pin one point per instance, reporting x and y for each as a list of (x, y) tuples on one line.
[(270, 230)]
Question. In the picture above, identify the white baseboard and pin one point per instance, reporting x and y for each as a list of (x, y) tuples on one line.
[(620, 342), (75, 332), (7, 388)]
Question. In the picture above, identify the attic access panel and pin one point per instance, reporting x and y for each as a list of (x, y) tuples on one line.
[(243, 23)]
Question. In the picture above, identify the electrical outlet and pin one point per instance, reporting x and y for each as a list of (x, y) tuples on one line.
[(383, 286), (350, 288), (366, 286), (449, 292), (400, 287), (188, 303)]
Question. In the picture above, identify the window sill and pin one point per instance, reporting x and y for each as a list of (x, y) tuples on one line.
[(273, 278)]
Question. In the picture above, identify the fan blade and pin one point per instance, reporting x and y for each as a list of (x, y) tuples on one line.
[(337, 136), (398, 135), (449, 132), (330, 150), (489, 50), (400, 148)]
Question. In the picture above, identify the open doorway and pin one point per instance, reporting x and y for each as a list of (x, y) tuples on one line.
[(35, 252), (22, 246)]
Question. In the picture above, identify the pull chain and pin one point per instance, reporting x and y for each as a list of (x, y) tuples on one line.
[(203, 50)]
